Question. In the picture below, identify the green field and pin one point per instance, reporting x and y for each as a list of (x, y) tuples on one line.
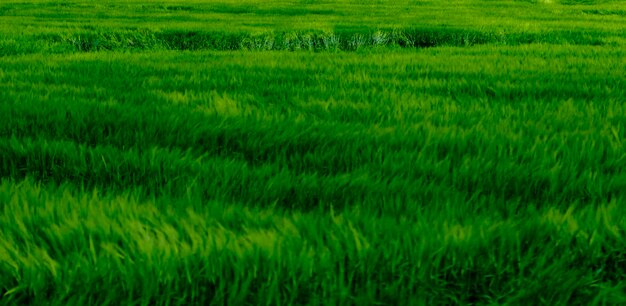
[(376, 152)]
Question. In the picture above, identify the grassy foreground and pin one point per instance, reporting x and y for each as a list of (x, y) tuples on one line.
[(295, 153)]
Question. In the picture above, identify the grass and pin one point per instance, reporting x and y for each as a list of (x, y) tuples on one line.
[(60, 27), (299, 153), (75, 241)]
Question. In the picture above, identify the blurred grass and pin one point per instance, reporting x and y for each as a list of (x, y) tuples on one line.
[(201, 153), (221, 175), (60, 247), (325, 120)]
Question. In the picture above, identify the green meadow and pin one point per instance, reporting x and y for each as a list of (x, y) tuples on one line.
[(377, 152)]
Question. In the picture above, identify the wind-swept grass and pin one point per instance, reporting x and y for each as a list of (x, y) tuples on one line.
[(312, 152), (370, 177), (60, 247)]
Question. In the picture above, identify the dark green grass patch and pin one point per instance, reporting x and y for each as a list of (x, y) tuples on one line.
[(343, 39), (606, 12)]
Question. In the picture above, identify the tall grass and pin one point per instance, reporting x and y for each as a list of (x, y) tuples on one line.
[(297, 153), (373, 177), (51, 27), (61, 247)]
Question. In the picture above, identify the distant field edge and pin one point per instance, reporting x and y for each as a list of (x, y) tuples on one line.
[(340, 39)]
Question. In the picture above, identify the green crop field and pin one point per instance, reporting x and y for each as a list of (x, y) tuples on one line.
[(374, 152)]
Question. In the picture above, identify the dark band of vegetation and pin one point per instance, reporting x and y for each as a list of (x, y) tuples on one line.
[(292, 41), (61, 27), (488, 169)]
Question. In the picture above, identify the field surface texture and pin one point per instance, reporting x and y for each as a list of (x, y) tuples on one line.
[(376, 152)]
